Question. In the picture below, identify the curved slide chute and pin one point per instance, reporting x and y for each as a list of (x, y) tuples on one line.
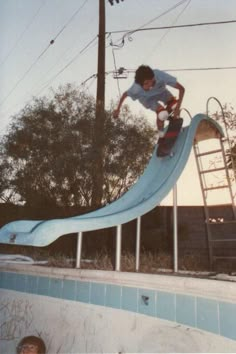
[(159, 177)]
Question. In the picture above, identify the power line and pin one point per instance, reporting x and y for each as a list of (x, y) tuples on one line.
[(189, 69), (115, 66), (43, 52), (25, 74), (123, 71), (159, 16), (68, 64), (64, 68), (43, 84), (70, 20), (202, 69), (169, 29), (130, 32), (89, 78), (22, 34), (175, 26)]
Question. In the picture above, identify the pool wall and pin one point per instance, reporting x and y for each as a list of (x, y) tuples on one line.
[(88, 311)]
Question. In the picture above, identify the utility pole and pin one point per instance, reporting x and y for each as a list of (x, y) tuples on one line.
[(98, 136)]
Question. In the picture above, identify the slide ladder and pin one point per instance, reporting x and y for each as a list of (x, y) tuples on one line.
[(221, 235)]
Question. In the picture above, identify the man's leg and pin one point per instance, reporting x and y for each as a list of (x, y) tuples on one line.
[(171, 104), (162, 115)]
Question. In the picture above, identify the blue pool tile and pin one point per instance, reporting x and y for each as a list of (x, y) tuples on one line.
[(227, 314), (165, 305), (207, 315), (113, 296), (20, 282), (43, 286), (9, 280), (185, 310), (97, 296), (31, 284), (68, 290), (3, 280), (129, 299), (55, 287), (147, 302), (82, 291)]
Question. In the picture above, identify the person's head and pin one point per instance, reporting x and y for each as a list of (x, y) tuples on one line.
[(31, 345), (144, 76)]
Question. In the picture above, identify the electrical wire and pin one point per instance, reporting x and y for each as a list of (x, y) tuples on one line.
[(130, 33), (54, 77), (70, 20), (168, 30), (159, 16), (59, 62), (68, 64), (176, 26), (204, 69), (25, 74), (22, 34), (115, 66), (43, 52), (167, 70), (89, 78), (91, 83), (192, 69)]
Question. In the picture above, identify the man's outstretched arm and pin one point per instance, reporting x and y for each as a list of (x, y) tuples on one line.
[(117, 110), (181, 89)]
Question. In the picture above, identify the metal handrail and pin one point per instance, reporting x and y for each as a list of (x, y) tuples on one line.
[(222, 111), (225, 126), (187, 111)]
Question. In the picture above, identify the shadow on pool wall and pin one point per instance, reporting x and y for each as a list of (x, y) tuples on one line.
[(101, 311)]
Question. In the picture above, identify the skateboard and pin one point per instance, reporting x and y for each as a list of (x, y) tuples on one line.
[(166, 143)]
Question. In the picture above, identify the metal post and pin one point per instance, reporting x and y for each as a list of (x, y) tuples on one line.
[(118, 247), (138, 238), (175, 231), (79, 249)]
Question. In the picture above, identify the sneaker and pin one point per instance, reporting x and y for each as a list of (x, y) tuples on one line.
[(160, 134)]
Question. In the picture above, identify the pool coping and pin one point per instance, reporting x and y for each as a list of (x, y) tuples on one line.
[(220, 290)]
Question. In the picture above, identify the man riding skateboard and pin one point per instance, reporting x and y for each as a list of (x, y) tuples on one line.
[(150, 90)]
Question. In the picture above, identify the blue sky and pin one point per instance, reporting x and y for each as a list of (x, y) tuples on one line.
[(30, 66)]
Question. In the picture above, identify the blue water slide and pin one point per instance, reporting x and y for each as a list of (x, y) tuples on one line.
[(157, 180)]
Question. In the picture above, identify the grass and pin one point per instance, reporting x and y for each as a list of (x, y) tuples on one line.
[(150, 262)]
